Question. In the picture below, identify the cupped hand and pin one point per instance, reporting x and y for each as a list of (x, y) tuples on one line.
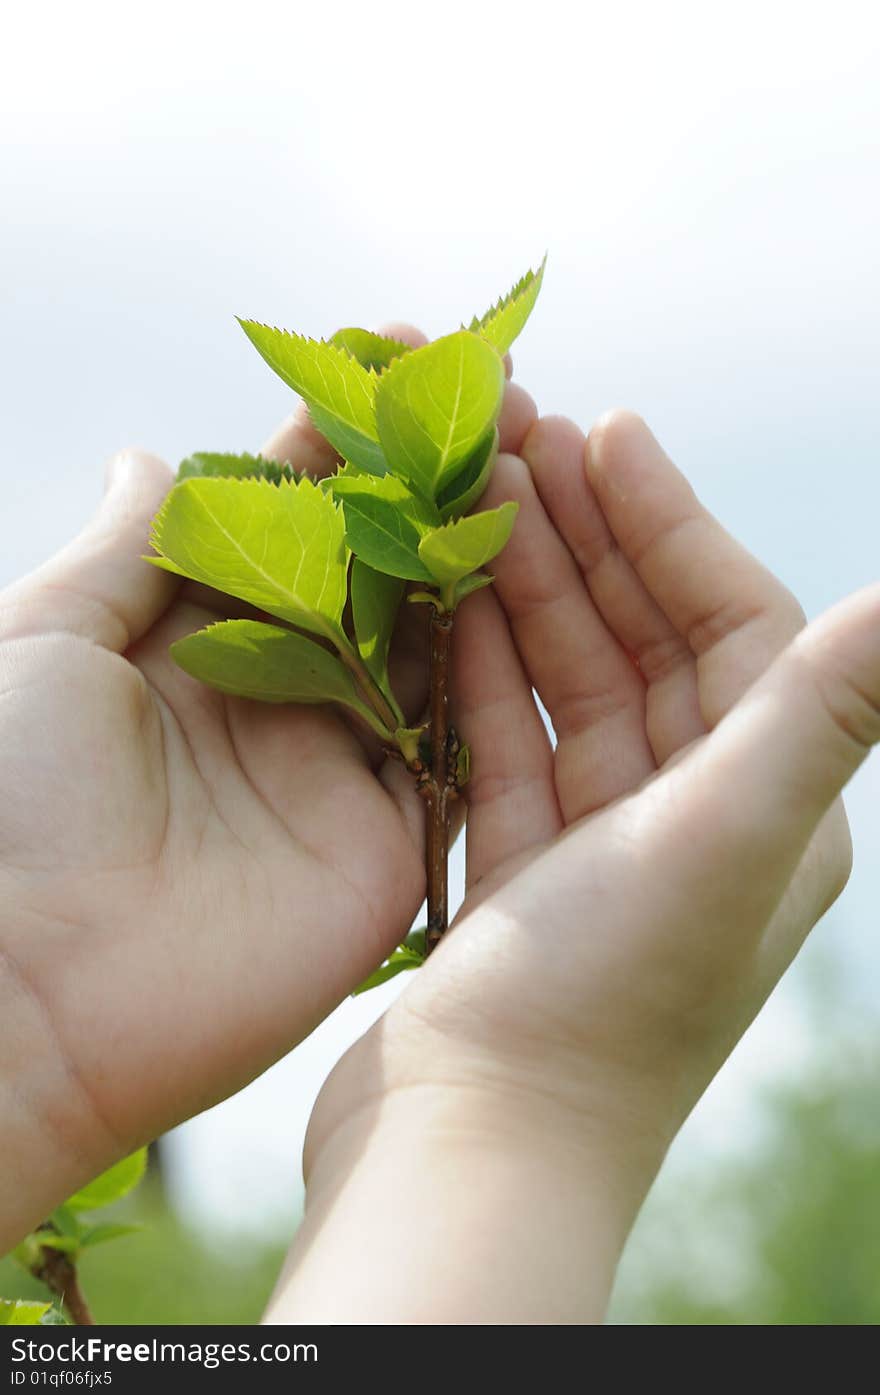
[(190, 882), (635, 890)]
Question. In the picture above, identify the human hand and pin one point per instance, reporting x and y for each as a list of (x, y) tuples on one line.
[(633, 895), (190, 882)]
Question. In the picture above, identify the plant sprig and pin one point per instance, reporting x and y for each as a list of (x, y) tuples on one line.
[(416, 433)]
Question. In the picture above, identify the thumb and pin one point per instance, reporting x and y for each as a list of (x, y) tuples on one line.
[(98, 586), (782, 755)]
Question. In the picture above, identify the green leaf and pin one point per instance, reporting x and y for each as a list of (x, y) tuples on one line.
[(463, 491), (371, 350), (247, 658), (339, 391), (456, 549), (100, 1234), (435, 405), (66, 1222), (462, 766), (375, 601), (27, 1252), (67, 1244), (54, 1317), (282, 548), (410, 955), (504, 321), (385, 523), (468, 584), (14, 1312), (116, 1182), (244, 466)]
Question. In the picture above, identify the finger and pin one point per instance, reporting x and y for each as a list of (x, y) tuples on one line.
[(297, 442), (518, 415), (761, 783), (511, 799), (555, 452), (99, 586), (405, 333), (733, 613), (591, 689)]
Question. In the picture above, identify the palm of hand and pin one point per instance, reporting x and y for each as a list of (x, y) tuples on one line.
[(640, 888), (220, 873)]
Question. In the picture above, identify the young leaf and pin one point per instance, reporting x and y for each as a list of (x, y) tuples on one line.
[(67, 1244), (375, 600), (67, 1222), (456, 549), (475, 581), (247, 658), (435, 405), (14, 1312), (116, 1182), (100, 1234), (410, 955), (371, 350), (244, 466), (462, 766), (54, 1317), (503, 322), (458, 496), (339, 391), (282, 548), (385, 522)]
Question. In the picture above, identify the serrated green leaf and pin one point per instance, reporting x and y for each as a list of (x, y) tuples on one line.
[(241, 466), (410, 955), (248, 658), (385, 522), (435, 405), (15, 1312), (100, 1234), (371, 350), (282, 548), (339, 391), (470, 483), (375, 601), (456, 549), (507, 317), (116, 1182)]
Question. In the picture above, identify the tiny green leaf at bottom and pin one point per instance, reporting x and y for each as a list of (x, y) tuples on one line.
[(15, 1312), (410, 955)]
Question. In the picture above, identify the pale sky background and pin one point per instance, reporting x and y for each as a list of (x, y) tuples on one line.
[(705, 179)]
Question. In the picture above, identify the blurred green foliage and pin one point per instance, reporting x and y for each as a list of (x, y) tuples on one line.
[(787, 1231), (168, 1273)]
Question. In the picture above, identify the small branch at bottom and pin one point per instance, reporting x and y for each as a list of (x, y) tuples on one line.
[(60, 1277)]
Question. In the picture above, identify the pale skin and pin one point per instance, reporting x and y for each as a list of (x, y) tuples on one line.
[(176, 915)]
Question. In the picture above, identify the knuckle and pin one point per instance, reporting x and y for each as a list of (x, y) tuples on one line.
[(852, 708)]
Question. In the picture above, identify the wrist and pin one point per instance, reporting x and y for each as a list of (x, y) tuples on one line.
[(453, 1202)]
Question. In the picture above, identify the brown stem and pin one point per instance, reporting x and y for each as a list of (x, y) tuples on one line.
[(59, 1275), (435, 784)]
